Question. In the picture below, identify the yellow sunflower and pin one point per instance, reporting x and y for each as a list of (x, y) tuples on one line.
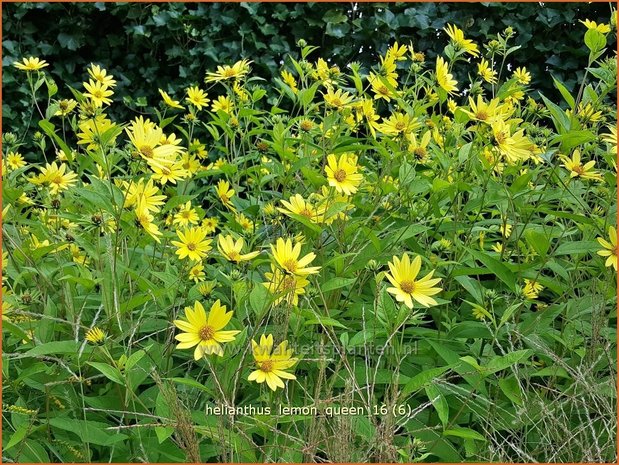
[(237, 71), (287, 257), (146, 137), (610, 247), (31, 64), (205, 331), (192, 244), (197, 97), (444, 77), (272, 363), (342, 173), (231, 249), (98, 93), (287, 286), (169, 101), (406, 286)]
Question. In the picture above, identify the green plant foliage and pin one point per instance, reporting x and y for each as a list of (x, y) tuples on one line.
[(280, 255)]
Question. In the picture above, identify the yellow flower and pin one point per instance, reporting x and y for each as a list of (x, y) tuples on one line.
[(209, 225), (380, 89), (299, 206), (287, 257), (287, 286), (610, 248), (55, 178), (222, 104), (522, 75), (231, 250), (31, 64), (420, 149), (225, 193), (14, 160), (98, 93), (342, 173), (190, 163), (289, 80), (498, 247), (146, 137), (95, 336), (92, 129), (197, 97), (143, 196), (99, 74), (206, 288), (487, 112), (406, 287), (577, 169), (205, 331), (77, 256), (244, 222), (398, 124), (514, 147), (506, 229), (65, 107), (338, 99), (532, 289), (459, 42), (486, 72), (481, 313), (444, 77), (271, 362), (611, 138), (193, 244), (603, 28), (169, 101), (197, 272), (146, 222), (237, 71), (171, 174), (186, 216)]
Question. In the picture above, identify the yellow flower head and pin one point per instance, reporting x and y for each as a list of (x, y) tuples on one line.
[(192, 244), (204, 331), (406, 286), (197, 97), (65, 107), (486, 72), (338, 99), (92, 129), (532, 289), (99, 74), (287, 257), (223, 103), (169, 101), (95, 336), (14, 160), (272, 363), (98, 93), (197, 272), (578, 170), (342, 173), (186, 215), (209, 225), (56, 177), (290, 80), (299, 206), (444, 77), (146, 137), (237, 71), (225, 193), (459, 42), (31, 64), (522, 76), (287, 287), (143, 195), (592, 25), (146, 222), (231, 249), (610, 247)]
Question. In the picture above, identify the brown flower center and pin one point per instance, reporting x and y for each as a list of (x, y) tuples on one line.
[(206, 333), (578, 169), (147, 151), (481, 115), (407, 286), (400, 126), (289, 284), (266, 366), (339, 175), (291, 265), (420, 153), (191, 246)]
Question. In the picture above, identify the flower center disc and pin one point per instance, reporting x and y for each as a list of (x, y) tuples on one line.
[(147, 151), (191, 246), (206, 333), (407, 286), (291, 265), (340, 175), (266, 366)]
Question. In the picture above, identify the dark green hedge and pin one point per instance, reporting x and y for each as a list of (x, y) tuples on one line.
[(170, 45)]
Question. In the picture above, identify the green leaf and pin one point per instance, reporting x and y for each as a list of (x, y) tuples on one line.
[(502, 362), (422, 379), (54, 348), (49, 129), (511, 389), (496, 267), (577, 247), (439, 402), (336, 283), (595, 40), (465, 433), (108, 371), (564, 92), (92, 432)]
